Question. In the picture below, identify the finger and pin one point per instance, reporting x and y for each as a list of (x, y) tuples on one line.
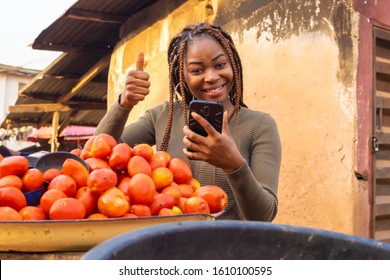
[(225, 124), (140, 62), (204, 123)]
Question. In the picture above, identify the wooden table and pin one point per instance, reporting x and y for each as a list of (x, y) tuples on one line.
[(41, 256)]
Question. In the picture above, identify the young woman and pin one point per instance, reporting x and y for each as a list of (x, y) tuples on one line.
[(244, 159)]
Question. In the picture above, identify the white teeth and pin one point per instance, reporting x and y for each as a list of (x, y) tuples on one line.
[(213, 90)]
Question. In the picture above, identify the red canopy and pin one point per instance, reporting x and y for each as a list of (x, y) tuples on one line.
[(71, 132)]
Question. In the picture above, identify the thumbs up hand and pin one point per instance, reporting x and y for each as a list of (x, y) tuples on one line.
[(136, 86)]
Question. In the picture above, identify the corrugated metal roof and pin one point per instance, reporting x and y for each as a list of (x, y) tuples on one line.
[(16, 70), (91, 25), (87, 33)]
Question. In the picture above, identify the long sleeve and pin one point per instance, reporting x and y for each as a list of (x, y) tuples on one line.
[(255, 184), (114, 121)]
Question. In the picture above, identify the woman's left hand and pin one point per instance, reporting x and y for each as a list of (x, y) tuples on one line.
[(218, 149)]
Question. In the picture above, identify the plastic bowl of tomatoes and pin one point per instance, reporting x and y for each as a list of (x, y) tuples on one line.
[(33, 197)]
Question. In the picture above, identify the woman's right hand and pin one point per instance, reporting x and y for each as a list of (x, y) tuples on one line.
[(136, 86)]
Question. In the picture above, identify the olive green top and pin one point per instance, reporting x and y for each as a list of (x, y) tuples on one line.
[(252, 189)]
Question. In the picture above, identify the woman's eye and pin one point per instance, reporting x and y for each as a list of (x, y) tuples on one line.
[(196, 71), (221, 64)]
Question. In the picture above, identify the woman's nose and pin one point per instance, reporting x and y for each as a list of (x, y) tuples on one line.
[(211, 75)]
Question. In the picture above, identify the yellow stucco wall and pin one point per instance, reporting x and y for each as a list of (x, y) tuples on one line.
[(300, 75)]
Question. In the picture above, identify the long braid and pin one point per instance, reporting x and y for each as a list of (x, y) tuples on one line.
[(172, 60), (182, 82), (176, 53)]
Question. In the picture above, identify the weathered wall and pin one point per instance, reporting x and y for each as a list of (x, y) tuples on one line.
[(299, 60)]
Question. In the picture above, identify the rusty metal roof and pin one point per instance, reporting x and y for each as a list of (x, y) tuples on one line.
[(75, 83)]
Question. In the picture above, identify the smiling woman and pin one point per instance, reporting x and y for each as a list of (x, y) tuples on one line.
[(244, 159)]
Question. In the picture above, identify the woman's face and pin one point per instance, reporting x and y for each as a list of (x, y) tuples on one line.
[(207, 70)]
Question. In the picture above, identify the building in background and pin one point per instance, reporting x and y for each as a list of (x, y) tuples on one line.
[(13, 79)]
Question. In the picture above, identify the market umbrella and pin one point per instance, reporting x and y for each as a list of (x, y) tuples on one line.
[(77, 133)]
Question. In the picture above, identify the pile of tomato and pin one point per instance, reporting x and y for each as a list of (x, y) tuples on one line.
[(120, 182)]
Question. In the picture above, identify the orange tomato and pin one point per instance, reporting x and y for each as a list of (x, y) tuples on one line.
[(88, 144), (64, 183), (12, 197), (96, 163), (101, 180), (102, 145), (86, 150), (50, 174), (67, 208), (76, 170), (215, 197), (144, 150), (186, 190), (9, 214), (142, 189), (97, 216), (180, 204), (85, 154), (124, 185), (32, 213), (196, 205), (177, 210), (166, 212), (49, 197), (140, 210), (119, 157), (164, 156), (162, 177), (76, 152), (32, 180), (161, 201), (100, 148), (11, 181), (155, 162), (138, 164), (182, 173), (89, 198), (129, 215), (113, 203), (160, 159), (109, 139), (194, 184), (13, 165), (172, 191)]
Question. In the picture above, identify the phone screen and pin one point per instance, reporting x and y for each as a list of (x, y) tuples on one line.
[(211, 111)]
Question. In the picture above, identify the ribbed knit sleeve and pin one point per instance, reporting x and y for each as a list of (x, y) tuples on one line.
[(255, 184), (113, 121)]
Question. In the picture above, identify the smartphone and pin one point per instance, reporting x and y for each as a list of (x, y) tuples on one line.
[(211, 111)]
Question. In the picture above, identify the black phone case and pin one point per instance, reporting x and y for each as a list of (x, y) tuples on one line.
[(211, 111)]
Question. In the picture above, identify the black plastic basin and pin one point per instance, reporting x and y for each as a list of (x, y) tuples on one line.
[(221, 239)]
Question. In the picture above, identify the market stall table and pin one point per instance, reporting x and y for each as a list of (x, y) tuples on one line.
[(70, 239)]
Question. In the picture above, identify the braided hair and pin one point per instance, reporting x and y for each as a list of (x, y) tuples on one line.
[(176, 52)]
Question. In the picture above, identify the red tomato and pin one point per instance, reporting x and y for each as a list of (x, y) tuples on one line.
[(119, 157), (89, 198), (13, 165), (67, 208), (12, 197)]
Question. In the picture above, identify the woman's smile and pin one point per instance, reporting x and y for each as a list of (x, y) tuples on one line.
[(214, 90)]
